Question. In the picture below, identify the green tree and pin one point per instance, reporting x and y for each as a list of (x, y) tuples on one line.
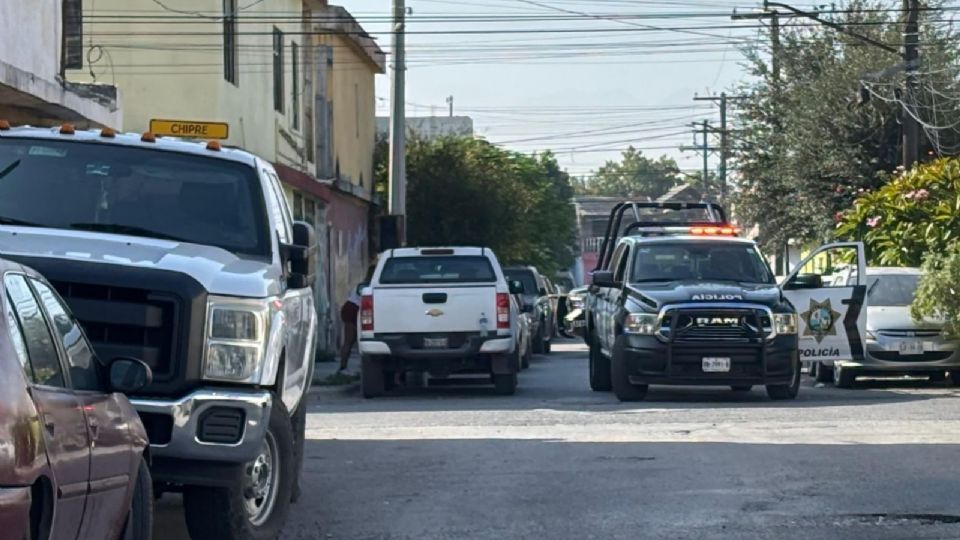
[(466, 191), (830, 126), (635, 175)]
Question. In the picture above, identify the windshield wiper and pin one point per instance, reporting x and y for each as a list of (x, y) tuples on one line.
[(131, 230), (14, 221), (9, 168), (654, 280)]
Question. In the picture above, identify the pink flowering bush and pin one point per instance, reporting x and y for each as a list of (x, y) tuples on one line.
[(917, 212)]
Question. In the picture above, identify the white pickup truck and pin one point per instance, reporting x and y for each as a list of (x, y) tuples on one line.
[(441, 311)]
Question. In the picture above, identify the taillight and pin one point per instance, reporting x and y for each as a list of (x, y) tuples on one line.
[(503, 311), (366, 314)]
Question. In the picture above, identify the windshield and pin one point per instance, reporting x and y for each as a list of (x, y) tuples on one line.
[(892, 289), (716, 261), (452, 269), (111, 188), (525, 277)]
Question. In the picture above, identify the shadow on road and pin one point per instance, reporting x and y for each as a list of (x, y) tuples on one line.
[(509, 488)]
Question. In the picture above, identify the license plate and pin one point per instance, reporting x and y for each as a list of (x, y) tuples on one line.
[(435, 343), (716, 365), (910, 348)]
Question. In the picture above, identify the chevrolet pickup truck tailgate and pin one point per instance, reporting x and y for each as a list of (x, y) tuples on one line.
[(455, 308)]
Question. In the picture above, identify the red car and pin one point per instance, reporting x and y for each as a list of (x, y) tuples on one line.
[(72, 462)]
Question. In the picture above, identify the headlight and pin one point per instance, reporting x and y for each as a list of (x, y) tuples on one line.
[(644, 324), (785, 323), (236, 340)]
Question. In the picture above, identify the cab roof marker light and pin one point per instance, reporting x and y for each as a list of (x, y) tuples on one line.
[(4, 125), (148, 136), (67, 129), (213, 146), (108, 133)]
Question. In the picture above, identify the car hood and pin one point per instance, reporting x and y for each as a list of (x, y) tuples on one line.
[(896, 318), (216, 269), (657, 295)]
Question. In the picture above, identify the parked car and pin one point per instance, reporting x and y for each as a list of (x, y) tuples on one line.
[(574, 321), (536, 299), (442, 311), (895, 344), (73, 464), (183, 254)]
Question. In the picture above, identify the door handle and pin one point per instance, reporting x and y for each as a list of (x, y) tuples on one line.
[(49, 425), (94, 429)]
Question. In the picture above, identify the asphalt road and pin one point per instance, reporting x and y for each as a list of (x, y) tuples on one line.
[(559, 461)]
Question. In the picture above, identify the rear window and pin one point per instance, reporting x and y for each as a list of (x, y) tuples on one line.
[(525, 277), (447, 269)]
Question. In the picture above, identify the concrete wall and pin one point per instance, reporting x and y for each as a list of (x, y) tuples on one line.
[(30, 35)]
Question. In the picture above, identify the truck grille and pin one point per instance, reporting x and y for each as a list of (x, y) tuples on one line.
[(729, 325), (128, 322)]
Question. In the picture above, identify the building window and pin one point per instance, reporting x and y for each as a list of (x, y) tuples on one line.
[(72, 34), (231, 53), (277, 70), (295, 90)]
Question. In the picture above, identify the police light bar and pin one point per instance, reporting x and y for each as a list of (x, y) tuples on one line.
[(715, 230)]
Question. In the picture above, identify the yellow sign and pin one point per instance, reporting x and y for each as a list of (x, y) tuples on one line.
[(190, 129)]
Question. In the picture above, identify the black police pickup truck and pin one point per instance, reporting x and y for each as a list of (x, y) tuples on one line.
[(679, 299)]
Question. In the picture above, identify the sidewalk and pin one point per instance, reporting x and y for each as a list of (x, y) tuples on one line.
[(324, 373)]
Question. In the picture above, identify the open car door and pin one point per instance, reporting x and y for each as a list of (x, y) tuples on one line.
[(829, 291)]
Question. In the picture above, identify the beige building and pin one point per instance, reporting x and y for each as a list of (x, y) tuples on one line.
[(293, 79)]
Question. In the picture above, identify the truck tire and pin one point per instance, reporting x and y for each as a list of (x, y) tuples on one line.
[(371, 377), (299, 424), (620, 377), (257, 507), (844, 378), (538, 340), (955, 377), (782, 392), (139, 525), (547, 346), (824, 373), (599, 369), (525, 357), (505, 384)]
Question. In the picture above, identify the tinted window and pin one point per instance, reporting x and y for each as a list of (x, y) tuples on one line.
[(134, 191), (16, 339), (84, 371), (892, 290), (701, 261), (452, 269), (40, 348), (523, 276)]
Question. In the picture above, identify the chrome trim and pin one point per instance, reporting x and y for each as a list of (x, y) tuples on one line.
[(186, 413), (715, 305)]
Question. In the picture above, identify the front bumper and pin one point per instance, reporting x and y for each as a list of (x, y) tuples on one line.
[(882, 355), (174, 425), (650, 360)]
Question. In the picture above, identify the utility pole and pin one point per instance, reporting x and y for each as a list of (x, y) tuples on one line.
[(723, 99), (774, 17), (703, 128), (911, 55), (397, 205), (450, 103)]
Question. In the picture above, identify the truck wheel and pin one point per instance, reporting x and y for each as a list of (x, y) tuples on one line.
[(547, 346), (620, 379), (781, 392), (257, 508), (599, 369), (538, 341), (505, 384), (844, 377), (525, 357), (371, 377), (139, 525), (824, 373)]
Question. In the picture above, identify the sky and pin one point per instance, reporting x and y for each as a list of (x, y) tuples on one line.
[(584, 79)]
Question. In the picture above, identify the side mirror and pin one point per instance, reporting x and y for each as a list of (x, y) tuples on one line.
[(805, 281), (516, 287), (526, 308), (129, 375), (542, 292), (604, 278), (302, 256)]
